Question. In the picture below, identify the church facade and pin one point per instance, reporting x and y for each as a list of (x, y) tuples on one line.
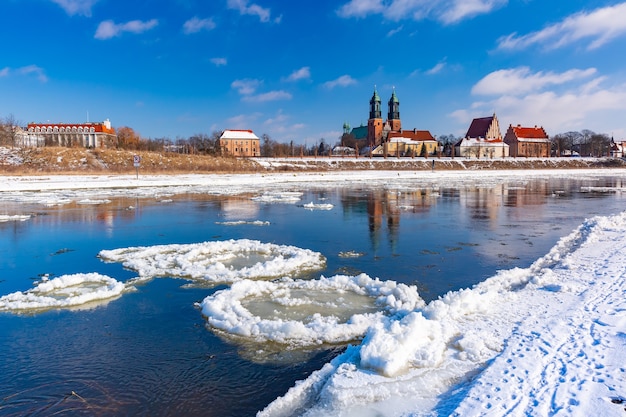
[(386, 137)]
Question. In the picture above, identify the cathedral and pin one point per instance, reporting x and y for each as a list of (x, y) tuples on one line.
[(388, 134)]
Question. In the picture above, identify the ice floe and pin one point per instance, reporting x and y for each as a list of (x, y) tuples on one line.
[(244, 222), (64, 292), (290, 197), (217, 261), (14, 218), (331, 310), (318, 206)]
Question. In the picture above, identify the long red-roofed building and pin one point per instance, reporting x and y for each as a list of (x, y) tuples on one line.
[(88, 134)]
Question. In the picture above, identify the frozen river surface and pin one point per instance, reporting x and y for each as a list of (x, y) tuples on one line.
[(214, 300)]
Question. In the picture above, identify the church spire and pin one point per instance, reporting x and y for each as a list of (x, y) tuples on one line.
[(393, 117), (394, 106), (375, 103)]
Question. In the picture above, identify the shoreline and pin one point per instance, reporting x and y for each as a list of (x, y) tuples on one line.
[(81, 161)]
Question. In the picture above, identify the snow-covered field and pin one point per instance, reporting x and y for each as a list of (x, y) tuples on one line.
[(548, 340)]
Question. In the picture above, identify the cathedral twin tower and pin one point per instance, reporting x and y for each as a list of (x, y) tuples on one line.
[(377, 131)]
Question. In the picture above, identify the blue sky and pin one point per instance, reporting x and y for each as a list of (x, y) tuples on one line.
[(297, 70)]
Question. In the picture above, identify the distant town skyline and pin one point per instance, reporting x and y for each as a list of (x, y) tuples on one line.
[(298, 71)]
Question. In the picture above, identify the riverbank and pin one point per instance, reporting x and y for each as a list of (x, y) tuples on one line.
[(61, 160)]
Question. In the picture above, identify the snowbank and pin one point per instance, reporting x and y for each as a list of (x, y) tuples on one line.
[(218, 261), (542, 341)]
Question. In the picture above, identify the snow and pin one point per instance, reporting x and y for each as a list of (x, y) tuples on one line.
[(547, 340), (543, 341), (217, 261), (63, 292)]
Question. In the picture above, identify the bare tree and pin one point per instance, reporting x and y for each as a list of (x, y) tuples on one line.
[(8, 131), (599, 144)]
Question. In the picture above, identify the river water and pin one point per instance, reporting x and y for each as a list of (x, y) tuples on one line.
[(149, 352)]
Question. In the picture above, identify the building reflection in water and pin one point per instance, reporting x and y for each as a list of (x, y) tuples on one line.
[(384, 208), (480, 206)]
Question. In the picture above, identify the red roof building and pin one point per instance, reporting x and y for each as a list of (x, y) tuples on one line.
[(528, 141), (88, 135)]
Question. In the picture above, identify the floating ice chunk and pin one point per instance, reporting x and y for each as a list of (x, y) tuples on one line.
[(300, 313), (244, 222), (279, 197), (63, 292), (94, 202), (218, 261), (350, 254), (4, 218), (319, 206)]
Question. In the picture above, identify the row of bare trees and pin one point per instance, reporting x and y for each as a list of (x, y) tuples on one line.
[(583, 143)]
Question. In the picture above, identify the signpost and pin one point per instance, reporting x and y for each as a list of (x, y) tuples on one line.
[(136, 163)]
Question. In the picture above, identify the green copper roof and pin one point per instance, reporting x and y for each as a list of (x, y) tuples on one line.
[(375, 97), (394, 98)]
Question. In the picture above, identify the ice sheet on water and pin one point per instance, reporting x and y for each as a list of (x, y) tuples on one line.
[(66, 291), (290, 197), (4, 218), (318, 206), (90, 201), (217, 261), (299, 313), (244, 222)]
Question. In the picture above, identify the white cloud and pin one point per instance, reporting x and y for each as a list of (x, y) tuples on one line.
[(303, 73), (280, 124), (463, 9), (252, 9), (394, 31), (518, 81), (436, 69), (246, 86), (269, 96), (361, 8), (242, 121), (219, 62), (343, 81), (34, 70), (584, 106), (599, 26), (445, 11), (109, 29), (80, 7), (195, 25)]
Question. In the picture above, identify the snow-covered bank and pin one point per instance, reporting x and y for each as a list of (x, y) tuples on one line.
[(543, 341)]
